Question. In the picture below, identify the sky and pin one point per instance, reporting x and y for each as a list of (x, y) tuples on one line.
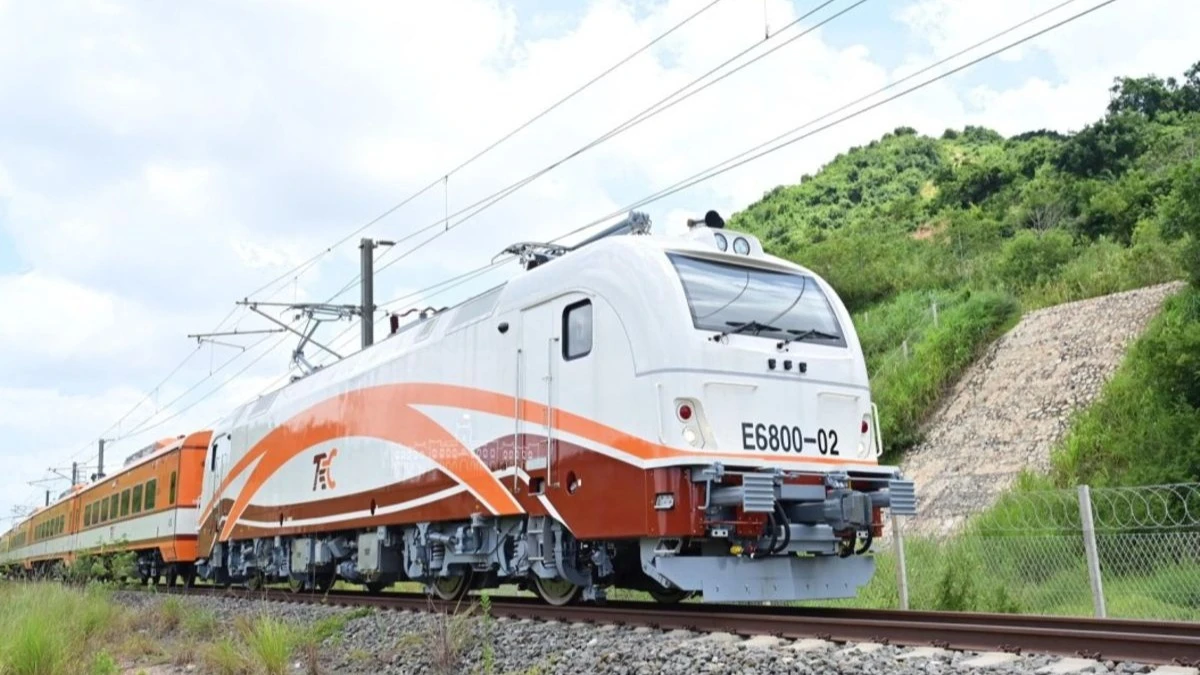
[(159, 162)]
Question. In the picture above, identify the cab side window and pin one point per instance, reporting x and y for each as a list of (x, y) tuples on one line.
[(577, 330)]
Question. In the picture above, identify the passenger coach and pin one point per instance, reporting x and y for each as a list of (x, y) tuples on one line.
[(147, 507)]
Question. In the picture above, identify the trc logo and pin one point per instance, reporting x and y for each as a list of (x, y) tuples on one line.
[(321, 475)]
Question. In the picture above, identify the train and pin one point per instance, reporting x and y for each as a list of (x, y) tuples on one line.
[(682, 414)]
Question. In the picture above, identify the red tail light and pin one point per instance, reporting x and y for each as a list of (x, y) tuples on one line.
[(685, 412)]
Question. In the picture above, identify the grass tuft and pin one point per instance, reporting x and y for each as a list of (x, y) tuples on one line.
[(227, 657), (272, 642)]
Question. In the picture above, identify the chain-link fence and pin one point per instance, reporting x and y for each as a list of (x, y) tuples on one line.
[(1130, 552)]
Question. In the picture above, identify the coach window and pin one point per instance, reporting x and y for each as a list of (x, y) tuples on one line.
[(137, 498), (114, 506), (104, 511), (87, 516), (151, 491), (171, 494), (124, 503), (577, 330)]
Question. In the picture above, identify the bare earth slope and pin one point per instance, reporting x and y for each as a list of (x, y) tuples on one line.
[(1013, 405)]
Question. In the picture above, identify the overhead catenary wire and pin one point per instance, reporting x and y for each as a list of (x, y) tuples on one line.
[(746, 156), (653, 110), (145, 426), (307, 264), (717, 169), (450, 283), (721, 168), (444, 177)]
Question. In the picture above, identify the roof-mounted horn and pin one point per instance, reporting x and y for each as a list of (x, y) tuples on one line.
[(712, 219)]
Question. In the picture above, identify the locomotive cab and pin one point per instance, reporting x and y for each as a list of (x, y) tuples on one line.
[(762, 378)]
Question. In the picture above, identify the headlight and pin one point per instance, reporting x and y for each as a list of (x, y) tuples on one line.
[(741, 246), (722, 242)]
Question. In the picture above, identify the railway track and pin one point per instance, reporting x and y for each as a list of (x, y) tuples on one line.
[(1151, 642)]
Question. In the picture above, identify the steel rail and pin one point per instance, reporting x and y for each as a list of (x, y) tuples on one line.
[(1151, 642)]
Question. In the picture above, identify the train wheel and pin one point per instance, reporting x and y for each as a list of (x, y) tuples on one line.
[(557, 592), (255, 581), (325, 582), (451, 588)]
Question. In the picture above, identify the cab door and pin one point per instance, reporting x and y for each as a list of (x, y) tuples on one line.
[(535, 392), (215, 465), (556, 336)]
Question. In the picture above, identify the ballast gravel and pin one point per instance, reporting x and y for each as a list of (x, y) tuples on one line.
[(412, 643)]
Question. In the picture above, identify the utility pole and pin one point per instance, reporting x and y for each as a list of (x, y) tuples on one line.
[(74, 474), (47, 498), (100, 464), (366, 249)]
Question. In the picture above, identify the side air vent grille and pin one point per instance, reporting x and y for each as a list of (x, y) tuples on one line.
[(903, 497), (758, 492)]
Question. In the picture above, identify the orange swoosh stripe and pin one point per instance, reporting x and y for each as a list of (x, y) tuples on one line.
[(501, 404), (377, 412), (385, 412)]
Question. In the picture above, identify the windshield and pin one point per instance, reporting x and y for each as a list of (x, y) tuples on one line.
[(780, 305)]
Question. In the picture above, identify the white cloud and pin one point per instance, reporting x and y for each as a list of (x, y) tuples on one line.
[(159, 165), (49, 318), (1154, 37)]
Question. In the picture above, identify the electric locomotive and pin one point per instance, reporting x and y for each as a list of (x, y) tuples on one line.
[(676, 414)]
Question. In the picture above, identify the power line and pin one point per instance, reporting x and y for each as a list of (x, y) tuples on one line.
[(219, 387), (310, 262), (734, 162), (658, 107), (448, 283), (717, 170), (589, 83), (143, 426), (507, 136)]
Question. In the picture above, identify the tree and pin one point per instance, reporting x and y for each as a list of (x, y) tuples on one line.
[(1153, 96), (1105, 149), (1043, 205), (1181, 213)]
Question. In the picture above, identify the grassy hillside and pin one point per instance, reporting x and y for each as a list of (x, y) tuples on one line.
[(938, 244)]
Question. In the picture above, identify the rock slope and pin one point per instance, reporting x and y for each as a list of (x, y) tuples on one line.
[(1013, 405)]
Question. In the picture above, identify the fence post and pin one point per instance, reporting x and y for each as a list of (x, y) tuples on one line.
[(935, 319), (1089, 545), (901, 568)]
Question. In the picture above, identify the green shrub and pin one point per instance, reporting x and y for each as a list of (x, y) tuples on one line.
[(1031, 258), (1144, 427)]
